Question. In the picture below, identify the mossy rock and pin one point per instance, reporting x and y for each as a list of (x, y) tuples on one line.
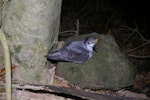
[(109, 68)]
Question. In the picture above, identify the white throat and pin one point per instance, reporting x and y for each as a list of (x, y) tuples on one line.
[(90, 47)]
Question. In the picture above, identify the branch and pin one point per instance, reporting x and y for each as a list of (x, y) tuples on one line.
[(73, 31), (78, 25), (129, 37), (140, 57), (109, 20), (83, 8), (7, 64), (69, 31), (138, 47), (136, 30)]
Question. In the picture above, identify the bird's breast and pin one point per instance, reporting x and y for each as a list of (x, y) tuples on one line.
[(90, 54)]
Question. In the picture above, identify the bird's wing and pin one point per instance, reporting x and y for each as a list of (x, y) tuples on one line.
[(71, 52), (56, 55), (74, 56)]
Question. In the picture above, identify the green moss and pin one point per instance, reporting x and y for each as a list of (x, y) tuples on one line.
[(18, 48), (38, 77), (8, 36), (25, 66)]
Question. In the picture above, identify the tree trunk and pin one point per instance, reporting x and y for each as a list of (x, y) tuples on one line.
[(31, 28)]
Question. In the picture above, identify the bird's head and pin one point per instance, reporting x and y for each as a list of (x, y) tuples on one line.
[(90, 43)]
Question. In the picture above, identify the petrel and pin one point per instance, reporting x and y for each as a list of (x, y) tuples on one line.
[(76, 51)]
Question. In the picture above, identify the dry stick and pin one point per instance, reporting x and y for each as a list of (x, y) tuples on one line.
[(129, 37), (78, 22), (77, 32), (73, 31), (138, 47), (141, 36), (7, 64), (142, 57), (136, 29), (82, 9), (86, 12), (148, 41), (68, 31), (128, 27), (106, 27)]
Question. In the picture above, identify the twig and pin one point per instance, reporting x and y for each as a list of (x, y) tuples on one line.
[(129, 37), (141, 36), (86, 12), (78, 23), (136, 30), (140, 57), (69, 31), (128, 27), (73, 31), (82, 9), (138, 47), (108, 22)]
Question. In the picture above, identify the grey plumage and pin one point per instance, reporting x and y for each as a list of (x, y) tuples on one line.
[(76, 52)]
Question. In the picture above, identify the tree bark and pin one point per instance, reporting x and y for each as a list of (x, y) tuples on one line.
[(31, 28)]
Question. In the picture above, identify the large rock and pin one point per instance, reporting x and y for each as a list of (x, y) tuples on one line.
[(31, 28), (109, 68)]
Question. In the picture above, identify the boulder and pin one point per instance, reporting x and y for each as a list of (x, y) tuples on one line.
[(109, 67)]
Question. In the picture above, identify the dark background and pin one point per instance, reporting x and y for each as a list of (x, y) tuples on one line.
[(111, 17), (137, 10), (132, 11), (94, 15)]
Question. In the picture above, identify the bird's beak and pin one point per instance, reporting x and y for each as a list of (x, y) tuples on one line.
[(96, 40), (95, 49)]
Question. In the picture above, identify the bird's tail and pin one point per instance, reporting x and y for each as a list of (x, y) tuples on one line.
[(53, 56)]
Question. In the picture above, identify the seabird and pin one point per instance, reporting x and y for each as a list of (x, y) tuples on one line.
[(76, 51)]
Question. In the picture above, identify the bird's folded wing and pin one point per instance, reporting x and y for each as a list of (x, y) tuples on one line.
[(75, 55), (69, 54)]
